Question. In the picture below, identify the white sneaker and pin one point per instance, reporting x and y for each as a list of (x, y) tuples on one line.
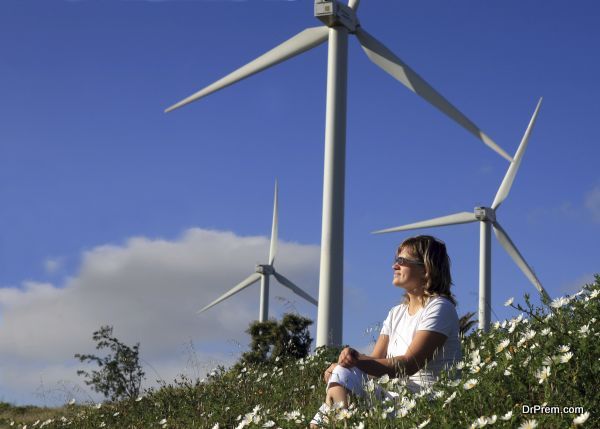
[(321, 417)]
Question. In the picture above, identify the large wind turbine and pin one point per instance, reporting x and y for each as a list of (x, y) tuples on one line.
[(487, 217), (262, 273), (340, 20)]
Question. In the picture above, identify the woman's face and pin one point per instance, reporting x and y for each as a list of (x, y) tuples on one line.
[(408, 276)]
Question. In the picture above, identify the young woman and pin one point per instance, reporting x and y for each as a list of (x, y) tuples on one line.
[(419, 337)]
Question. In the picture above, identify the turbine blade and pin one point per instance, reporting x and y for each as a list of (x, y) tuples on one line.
[(287, 283), (252, 278), (509, 178), (274, 229), (514, 253), (453, 219), (353, 4), (393, 65), (303, 41)]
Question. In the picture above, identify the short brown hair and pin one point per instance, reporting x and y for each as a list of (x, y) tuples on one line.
[(432, 252)]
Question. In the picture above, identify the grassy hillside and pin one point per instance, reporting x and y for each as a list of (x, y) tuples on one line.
[(546, 357)]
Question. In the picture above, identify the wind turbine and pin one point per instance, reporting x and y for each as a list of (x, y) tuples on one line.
[(487, 217), (263, 272), (340, 20)]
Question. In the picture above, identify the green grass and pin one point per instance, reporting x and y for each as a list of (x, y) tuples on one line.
[(545, 356)]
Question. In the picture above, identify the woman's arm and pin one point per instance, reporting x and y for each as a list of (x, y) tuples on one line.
[(349, 357), (380, 349), (421, 350)]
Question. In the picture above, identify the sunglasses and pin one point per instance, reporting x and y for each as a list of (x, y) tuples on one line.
[(404, 261)]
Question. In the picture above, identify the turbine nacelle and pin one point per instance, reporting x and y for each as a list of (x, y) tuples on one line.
[(333, 13), (264, 269), (485, 214)]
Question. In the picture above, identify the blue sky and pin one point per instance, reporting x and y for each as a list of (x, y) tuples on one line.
[(99, 187)]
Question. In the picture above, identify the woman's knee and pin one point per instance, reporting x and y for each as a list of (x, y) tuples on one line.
[(336, 393)]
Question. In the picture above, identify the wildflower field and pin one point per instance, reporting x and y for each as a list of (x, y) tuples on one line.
[(540, 369)]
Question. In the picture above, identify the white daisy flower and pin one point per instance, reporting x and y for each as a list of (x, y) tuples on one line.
[(581, 419), (370, 385), (509, 301), (564, 358), (470, 384), (453, 383), (492, 419), (384, 379), (507, 416), (449, 399), (529, 424), (409, 404), (559, 302), (425, 423), (480, 422), (503, 344), (548, 361), (543, 374)]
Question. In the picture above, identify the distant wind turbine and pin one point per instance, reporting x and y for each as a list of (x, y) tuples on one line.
[(340, 20), (487, 217), (262, 273)]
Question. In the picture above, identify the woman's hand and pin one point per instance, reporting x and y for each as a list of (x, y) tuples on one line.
[(328, 372), (348, 357)]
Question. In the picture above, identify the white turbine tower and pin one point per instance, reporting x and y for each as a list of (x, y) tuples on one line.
[(340, 20), (487, 217), (262, 273)]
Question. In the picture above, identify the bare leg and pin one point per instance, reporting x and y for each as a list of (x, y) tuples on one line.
[(336, 393)]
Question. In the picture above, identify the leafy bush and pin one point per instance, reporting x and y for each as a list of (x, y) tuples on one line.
[(272, 340), (120, 375)]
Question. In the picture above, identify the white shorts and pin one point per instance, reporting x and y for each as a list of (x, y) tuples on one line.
[(356, 381)]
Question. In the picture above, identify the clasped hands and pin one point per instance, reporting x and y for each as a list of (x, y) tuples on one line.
[(348, 359)]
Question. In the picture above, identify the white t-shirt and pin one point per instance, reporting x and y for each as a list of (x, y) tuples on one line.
[(439, 315)]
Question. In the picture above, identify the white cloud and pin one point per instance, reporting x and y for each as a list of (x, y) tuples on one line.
[(150, 291), (52, 265), (592, 203)]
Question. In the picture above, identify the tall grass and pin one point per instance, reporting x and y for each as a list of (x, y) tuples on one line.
[(545, 357)]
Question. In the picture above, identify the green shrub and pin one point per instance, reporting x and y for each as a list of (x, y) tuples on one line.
[(120, 375)]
